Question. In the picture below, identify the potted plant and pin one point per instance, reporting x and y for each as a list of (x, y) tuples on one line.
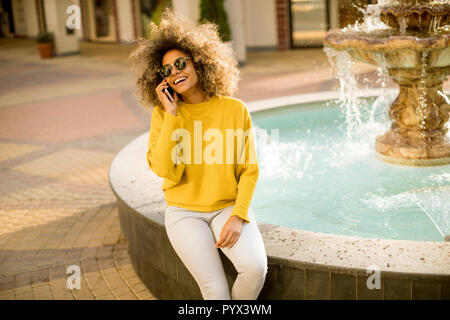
[(45, 44), (157, 13), (155, 16), (214, 11)]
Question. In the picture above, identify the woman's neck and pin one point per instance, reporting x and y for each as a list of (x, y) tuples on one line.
[(194, 97)]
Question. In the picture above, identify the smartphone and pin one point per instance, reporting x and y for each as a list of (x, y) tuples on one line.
[(169, 93)]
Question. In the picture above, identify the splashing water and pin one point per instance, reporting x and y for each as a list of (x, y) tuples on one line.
[(326, 174), (371, 20), (403, 23), (380, 105), (343, 69), (434, 25), (432, 202), (423, 107), (358, 128), (326, 182), (281, 160)]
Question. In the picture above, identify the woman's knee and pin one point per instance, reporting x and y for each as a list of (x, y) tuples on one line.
[(256, 270)]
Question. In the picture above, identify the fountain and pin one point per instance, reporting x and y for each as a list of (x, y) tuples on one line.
[(411, 39)]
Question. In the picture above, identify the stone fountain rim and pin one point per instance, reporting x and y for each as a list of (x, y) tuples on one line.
[(341, 40), (410, 3), (439, 9), (346, 254), (387, 13)]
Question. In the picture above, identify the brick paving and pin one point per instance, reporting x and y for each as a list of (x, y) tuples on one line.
[(62, 121)]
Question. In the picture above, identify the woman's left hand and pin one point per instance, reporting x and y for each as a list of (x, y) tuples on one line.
[(230, 232)]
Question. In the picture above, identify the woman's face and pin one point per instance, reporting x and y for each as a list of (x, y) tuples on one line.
[(190, 84)]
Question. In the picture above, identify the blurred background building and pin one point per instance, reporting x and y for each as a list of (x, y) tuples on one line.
[(255, 24)]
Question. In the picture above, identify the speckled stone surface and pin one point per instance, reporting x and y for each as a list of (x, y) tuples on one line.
[(132, 180)]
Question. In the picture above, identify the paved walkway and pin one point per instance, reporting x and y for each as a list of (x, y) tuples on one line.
[(62, 121)]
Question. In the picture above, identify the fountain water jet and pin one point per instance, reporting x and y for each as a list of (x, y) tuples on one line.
[(411, 38)]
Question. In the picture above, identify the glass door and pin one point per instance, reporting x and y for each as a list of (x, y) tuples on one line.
[(103, 20), (309, 22)]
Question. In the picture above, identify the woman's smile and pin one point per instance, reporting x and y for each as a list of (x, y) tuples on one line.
[(179, 81)]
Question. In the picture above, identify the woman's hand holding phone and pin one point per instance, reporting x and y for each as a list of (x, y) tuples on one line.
[(168, 101)]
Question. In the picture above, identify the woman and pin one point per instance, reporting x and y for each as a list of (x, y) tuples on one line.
[(208, 188)]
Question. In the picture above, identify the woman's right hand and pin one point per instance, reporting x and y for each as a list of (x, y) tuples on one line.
[(168, 105)]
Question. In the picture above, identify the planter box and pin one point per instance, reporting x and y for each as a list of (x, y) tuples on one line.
[(45, 50)]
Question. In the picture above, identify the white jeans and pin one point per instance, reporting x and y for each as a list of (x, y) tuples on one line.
[(193, 235)]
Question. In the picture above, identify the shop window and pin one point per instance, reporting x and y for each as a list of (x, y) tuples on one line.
[(309, 22)]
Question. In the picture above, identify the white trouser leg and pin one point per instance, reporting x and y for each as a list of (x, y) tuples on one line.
[(248, 256), (193, 241)]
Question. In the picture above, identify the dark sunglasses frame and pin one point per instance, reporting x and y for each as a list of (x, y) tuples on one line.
[(179, 63)]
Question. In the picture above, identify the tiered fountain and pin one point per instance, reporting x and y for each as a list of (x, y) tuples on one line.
[(414, 46)]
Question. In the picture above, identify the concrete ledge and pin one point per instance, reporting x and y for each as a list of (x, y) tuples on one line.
[(302, 264)]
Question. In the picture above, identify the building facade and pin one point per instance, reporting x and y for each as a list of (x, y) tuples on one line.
[(255, 24)]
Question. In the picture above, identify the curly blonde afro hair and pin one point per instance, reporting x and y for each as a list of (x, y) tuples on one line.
[(215, 61)]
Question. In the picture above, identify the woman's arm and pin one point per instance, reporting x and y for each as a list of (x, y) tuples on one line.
[(247, 174), (247, 170), (160, 145)]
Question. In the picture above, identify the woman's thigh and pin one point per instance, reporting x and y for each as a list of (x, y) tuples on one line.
[(193, 241), (249, 249)]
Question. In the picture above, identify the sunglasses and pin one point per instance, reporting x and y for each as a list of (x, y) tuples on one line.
[(180, 64)]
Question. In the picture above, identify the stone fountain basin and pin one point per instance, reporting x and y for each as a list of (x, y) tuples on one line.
[(395, 52), (416, 16), (302, 264)]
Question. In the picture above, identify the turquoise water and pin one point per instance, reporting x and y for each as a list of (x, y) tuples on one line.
[(322, 175)]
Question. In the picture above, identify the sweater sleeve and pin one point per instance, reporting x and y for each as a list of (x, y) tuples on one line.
[(160, 157), (247, 170)]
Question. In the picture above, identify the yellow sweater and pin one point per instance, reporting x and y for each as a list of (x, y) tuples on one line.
[(207, 178)]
